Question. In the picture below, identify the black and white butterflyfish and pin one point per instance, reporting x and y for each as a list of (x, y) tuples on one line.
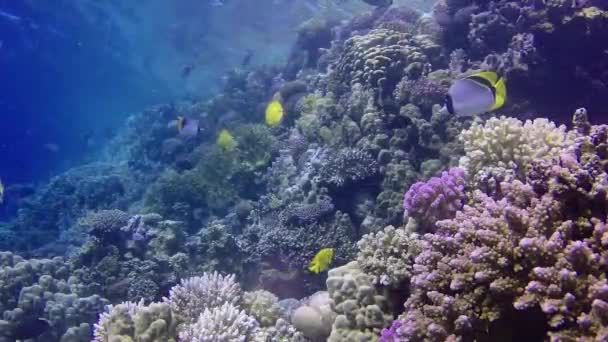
[(188, 127), (476, 94)]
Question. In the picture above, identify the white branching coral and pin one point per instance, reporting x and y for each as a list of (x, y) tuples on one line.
[(510, 144), (388, 255), (193, 295), (106, 327), (224, 323), (131, 321)]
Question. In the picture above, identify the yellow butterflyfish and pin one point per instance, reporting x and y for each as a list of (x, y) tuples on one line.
[(274, 113), (321, 261), (225, 140)]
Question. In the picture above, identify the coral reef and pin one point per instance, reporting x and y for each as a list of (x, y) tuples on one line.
[(223, 323), (42, 288), (208, 291), (388, 255), (461, 228), (134, 321), (437, 199), (362, 312), (534, 249), (503, 148), (262, 305)]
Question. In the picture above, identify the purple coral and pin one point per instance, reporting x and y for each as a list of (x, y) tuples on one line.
[(540, 244), (437, 199), (390, 334)]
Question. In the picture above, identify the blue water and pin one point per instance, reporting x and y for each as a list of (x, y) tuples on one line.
[(71, 72), (62, 92)]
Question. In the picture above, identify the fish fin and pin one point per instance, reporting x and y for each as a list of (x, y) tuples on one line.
[(490, 76), (314, 267), (500, 95)]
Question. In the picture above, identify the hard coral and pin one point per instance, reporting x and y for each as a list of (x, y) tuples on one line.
[(193, 295), (535, 249), (362, 312), (346, 167), (222, 323), (509, 143), (379, 60), (263, 306), (437, 199), (131, 321), (388, 255)]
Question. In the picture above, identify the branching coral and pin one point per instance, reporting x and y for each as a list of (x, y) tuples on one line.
[(131, 321), (346, 167), (388, 255), (510, 144), (222, 323), (537, 247), (437, 199), (193, 295)]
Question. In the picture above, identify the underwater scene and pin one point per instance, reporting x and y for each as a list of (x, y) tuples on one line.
[(303, 170)]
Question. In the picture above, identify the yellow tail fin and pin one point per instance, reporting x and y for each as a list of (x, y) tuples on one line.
[(501, 94)]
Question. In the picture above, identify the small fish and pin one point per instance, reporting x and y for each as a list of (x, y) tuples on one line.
[(274, 113), (187, 127), (51, 147), (1, 191), (321, 261), (476, 94), (187, 70), (247, 59), (379, 3), (10, 16), (225, 140), (29, 329)]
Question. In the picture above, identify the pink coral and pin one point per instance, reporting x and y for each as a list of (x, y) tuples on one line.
[(438, 198), (538, 247)]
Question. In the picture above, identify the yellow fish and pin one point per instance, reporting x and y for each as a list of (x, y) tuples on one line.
[(274, 113), (225, 140), (321, 261), (1, 191)]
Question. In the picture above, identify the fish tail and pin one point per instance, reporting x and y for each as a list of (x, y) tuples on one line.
[(501, 94)]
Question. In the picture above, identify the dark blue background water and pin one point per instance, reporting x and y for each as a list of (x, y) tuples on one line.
[(62, 93)]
